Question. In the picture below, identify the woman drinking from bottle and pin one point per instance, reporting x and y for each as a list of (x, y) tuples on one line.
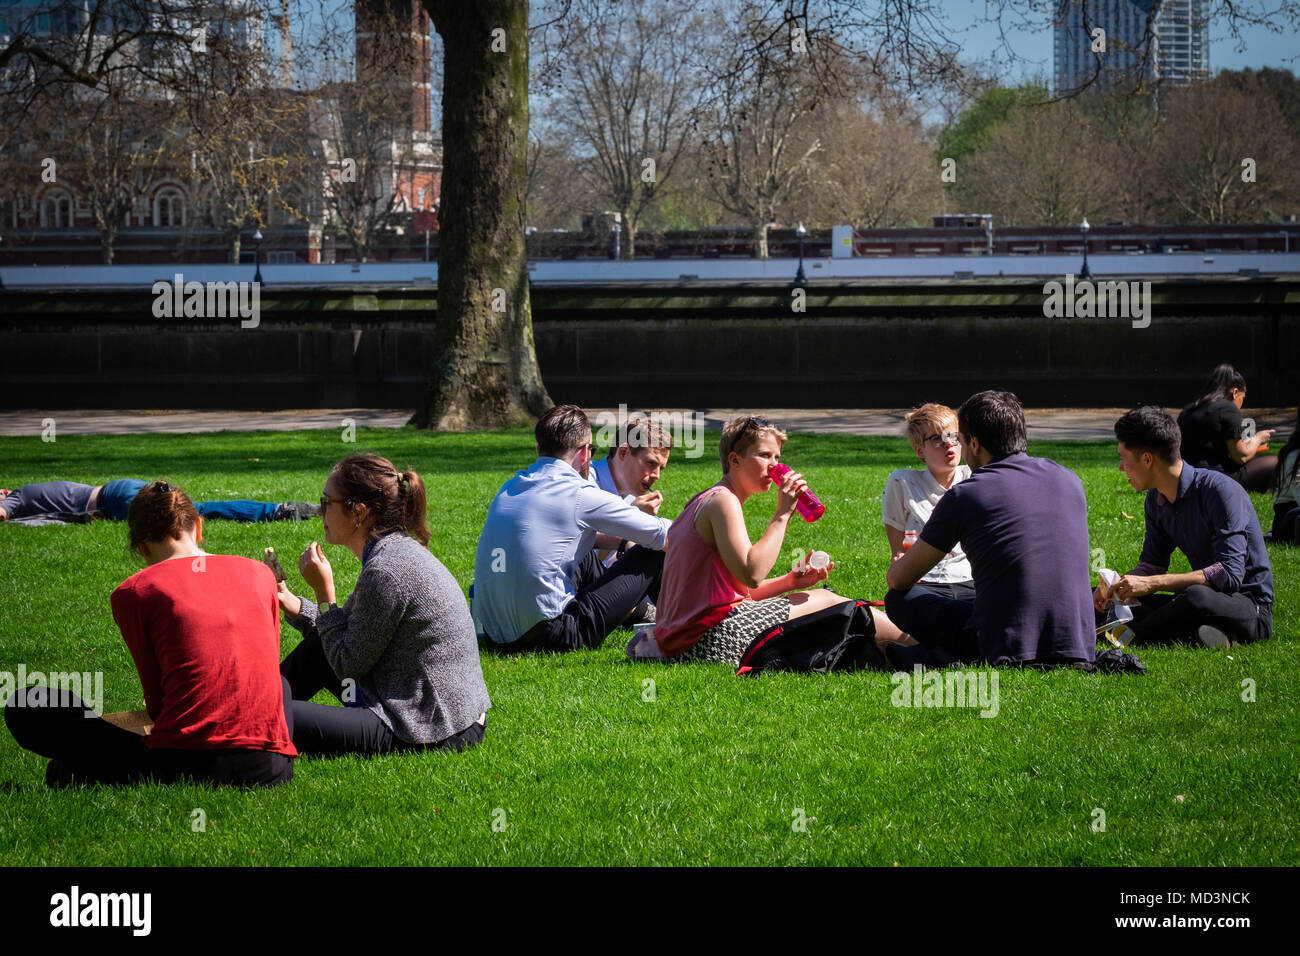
[(716, 598)]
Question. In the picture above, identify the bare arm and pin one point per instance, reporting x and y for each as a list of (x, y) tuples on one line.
[(1242, 450), (912, 566), (724, 522), (895, 536)]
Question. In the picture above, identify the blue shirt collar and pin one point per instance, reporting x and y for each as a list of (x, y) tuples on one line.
[(370, 545)]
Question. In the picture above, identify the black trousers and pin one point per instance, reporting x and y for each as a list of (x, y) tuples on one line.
[(326, 731), (604, 597), (88, 749), (943, 627), (1174, 618), (1286, 523)]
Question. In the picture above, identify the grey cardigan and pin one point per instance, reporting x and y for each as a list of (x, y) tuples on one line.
[(406, 637)]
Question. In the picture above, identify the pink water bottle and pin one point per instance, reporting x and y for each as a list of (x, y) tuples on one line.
[(807, 504)]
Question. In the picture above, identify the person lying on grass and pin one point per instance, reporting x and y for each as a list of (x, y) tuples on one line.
[(1228, 597), (401, 653), (716, 597), (74, 501), (204, 632)]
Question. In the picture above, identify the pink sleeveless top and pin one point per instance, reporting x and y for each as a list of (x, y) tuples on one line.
[(697, 590)]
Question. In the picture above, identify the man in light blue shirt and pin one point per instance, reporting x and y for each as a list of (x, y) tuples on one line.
[(537, 582)]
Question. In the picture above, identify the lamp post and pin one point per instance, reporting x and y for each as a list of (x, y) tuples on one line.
[(257, 255), (800, 280), (1083, 230)]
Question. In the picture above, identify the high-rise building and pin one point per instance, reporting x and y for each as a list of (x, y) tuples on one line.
[(1146, 43)]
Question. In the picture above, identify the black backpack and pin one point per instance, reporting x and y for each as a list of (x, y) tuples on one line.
[(838, 638)]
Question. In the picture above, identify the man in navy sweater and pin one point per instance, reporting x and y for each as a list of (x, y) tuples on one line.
[(1228, 596), (1023, 523)]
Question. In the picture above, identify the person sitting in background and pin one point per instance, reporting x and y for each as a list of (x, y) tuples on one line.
[(911, 494), (1023, 523), (1228, 596), (1286, 482), (401, 652), (635, 463), (204, 632), (716, 597), (630, 471), (538, 583), (73, 501), (1213, 436)]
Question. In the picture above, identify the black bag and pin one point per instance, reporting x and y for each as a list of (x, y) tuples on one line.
[(839, 638)]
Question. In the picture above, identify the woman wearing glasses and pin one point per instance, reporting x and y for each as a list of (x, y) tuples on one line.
[(400, 654), (716, 598), (911, 494)]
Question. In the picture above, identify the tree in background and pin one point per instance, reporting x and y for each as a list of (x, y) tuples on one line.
[(117, 135), (1031, 169), (630, 95), (1226, 155), (872, 170), (485, 374), (759, 130)]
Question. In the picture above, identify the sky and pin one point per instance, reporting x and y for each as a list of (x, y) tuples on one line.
[(981, 41)]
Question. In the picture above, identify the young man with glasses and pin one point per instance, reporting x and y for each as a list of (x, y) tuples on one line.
[(538, 583), (1023, 523), (911, 493)]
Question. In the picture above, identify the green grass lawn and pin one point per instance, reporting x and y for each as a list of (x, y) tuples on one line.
[(579, 767)]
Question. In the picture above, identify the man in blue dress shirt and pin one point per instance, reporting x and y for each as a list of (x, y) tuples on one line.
[(538, 585), (1228, 596)]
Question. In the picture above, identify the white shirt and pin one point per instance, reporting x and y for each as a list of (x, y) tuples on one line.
[(907, 503), (538, 527)]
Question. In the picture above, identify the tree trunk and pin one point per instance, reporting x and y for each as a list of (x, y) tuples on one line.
[(629, 238), (485, 374), (760, 240), (234, 249)]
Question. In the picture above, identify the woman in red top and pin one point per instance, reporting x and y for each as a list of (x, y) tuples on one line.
[(713, 600), (204, 632)]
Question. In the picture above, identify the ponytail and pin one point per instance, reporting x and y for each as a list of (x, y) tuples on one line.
[(396, 501), (410, 489)]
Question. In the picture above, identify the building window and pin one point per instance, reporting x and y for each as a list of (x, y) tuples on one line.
[(169, 209), (56, 212)]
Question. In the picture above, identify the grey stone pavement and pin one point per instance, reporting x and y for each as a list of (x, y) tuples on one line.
[(1043, 423)]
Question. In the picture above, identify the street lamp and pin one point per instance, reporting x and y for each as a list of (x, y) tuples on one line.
[(257, 255), (800, 280), (1083, 230)]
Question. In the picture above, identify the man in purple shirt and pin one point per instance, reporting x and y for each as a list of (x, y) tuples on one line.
[(1023, 523), (1208, 516)]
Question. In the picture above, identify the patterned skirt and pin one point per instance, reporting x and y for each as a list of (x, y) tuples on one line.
[(727, 640)]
